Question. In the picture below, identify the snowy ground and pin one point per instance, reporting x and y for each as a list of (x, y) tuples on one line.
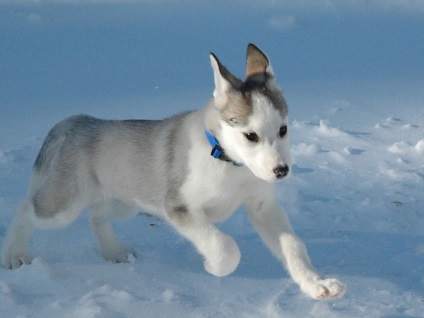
[(353, 73)]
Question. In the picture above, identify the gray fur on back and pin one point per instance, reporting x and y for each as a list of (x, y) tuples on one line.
[(85, 156)]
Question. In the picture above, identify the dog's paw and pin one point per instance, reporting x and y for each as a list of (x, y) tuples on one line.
[(15, 260), (121, 255), (225, 259), (324, 289)]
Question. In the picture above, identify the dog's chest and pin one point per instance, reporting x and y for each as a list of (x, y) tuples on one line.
[(218, 194)]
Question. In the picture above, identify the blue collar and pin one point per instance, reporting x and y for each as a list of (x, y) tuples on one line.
[(217, 151)]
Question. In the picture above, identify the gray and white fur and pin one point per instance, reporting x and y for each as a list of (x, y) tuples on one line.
[(164, 167)]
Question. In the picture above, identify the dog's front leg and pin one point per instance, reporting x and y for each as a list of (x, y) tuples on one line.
[(272, 224), (222, 255)]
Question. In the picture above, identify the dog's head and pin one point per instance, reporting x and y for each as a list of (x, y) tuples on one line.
[(253, 123)]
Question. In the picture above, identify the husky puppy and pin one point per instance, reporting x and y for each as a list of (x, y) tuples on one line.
[(193, 169)]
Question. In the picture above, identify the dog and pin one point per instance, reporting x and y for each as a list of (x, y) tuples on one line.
[(193, 170)]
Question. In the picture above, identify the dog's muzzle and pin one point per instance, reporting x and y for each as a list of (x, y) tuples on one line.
[(281, 171)]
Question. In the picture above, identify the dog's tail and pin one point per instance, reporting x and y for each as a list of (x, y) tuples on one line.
[(48, 152)]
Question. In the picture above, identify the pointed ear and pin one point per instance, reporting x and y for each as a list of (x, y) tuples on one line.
[(224, 81), (256, 61), (221, 84)]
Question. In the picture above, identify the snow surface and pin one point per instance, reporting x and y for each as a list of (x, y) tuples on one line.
[(353, 74)]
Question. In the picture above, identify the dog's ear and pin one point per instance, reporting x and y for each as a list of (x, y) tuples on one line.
[(257, 62), (224, 82)]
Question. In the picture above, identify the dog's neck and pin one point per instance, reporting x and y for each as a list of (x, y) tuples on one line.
[(217, 151)]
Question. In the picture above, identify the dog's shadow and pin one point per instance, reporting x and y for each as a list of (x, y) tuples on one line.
[(348, 255), (396, 258)]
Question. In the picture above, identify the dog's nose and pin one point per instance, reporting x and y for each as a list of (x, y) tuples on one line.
[(281, 171)]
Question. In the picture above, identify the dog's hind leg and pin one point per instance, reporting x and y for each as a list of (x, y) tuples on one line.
[(101, 214), (15, 251), (53, 205)]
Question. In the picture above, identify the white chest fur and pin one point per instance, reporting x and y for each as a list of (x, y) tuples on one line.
[(216, 187)]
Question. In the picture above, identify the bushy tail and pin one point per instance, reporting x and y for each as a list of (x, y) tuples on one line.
[(46, 156)]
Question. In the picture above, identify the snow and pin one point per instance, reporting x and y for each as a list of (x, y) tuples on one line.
[(352, 72)]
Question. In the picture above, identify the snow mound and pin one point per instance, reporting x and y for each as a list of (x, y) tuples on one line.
[(404, 147), (419, 147), (325, 129)]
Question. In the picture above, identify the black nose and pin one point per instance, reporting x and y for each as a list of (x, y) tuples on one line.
[(281, 171)]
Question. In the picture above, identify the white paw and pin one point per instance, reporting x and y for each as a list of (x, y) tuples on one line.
[(121, 255), (225, 258), (324, 289), (15, 259)]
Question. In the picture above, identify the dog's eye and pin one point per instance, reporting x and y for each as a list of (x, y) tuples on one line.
[(253, 137), (283, 131)]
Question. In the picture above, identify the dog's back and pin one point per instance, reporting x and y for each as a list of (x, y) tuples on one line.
[(94, 155)]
